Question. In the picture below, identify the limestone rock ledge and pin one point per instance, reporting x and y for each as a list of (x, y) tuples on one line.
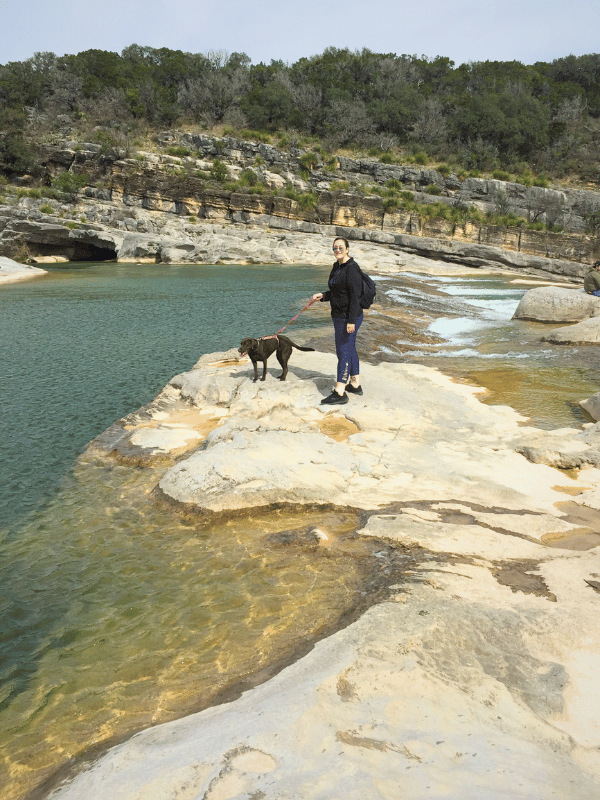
[(12, 271), (477, 677)]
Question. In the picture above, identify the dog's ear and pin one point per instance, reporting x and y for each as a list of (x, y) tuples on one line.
[(254, 342)]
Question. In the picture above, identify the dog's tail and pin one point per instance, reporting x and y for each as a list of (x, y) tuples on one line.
[(306, 349)]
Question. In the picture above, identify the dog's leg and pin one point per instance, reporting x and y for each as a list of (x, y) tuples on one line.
[(283, 357), (264, 370), (255, 365)]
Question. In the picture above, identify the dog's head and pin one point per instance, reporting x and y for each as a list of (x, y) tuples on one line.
[(247, 345)]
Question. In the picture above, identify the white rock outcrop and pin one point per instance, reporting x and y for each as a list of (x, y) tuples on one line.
[(12, 271), (476, 678)]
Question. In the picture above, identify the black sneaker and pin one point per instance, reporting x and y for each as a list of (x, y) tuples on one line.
[(354, 389), (334, 399)]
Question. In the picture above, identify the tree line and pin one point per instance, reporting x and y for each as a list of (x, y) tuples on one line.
[(482, 114)]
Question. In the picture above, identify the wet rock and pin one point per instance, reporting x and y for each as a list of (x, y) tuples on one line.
[(557, 304), (585, 332), (592, 406)]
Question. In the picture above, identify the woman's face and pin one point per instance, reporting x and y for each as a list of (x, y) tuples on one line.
[(340, 251)]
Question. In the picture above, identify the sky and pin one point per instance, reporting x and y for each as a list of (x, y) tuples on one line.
[(463, 30)]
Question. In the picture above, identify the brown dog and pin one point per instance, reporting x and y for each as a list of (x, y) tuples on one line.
[(261, 349)]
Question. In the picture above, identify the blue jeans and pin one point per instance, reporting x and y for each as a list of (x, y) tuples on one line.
[(345, 348), (596, 292)]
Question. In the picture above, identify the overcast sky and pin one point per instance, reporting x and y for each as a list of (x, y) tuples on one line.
[(464, 30)]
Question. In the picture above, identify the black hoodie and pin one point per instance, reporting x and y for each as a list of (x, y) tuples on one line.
[(345, 289)]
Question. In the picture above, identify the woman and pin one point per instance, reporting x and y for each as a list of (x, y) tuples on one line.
[(345, 286)]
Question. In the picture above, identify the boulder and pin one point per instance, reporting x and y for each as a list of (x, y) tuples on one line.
[(557, 304), (585, 332), (592, 406)]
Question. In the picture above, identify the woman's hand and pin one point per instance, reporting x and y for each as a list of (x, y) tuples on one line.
[(350, 327), (317, 296)]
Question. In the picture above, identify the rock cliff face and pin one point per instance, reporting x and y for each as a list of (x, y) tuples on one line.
[(160, 208)]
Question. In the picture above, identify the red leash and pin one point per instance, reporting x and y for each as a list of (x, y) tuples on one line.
[(275, 335)]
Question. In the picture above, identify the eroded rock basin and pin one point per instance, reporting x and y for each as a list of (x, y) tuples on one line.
[(474, 676)]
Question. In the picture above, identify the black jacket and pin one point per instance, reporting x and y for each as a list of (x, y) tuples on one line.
[(345, 288)]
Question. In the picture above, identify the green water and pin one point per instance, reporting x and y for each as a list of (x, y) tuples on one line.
[(115, 614), (82, 347)]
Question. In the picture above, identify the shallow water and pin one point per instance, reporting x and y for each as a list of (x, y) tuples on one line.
[(118, 614), (476, 339)]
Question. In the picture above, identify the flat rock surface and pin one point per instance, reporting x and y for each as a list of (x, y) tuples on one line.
[(477, 677)]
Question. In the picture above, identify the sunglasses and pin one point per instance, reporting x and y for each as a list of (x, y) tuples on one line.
[(338, 249)]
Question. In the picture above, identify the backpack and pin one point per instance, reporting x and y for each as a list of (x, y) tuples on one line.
[(367, 295)]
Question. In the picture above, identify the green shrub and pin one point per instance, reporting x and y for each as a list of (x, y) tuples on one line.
[(444, 170), (291, 193), (308, 201), (501, 175), (386, 158), (259, 161), (308, 161), (541, 181), (390, 205), (305, 174), (331, 164), (46, 209), (71, 225), (433, 189), (35, 194), (69, 183), (438, 210), (260, 136), (139, 157), (394, 184), (339, 186), (219, 171), (248, 178), (421, 158), (406, 195)]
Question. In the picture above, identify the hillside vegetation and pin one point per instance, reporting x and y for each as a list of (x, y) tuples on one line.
[(533, 123)]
